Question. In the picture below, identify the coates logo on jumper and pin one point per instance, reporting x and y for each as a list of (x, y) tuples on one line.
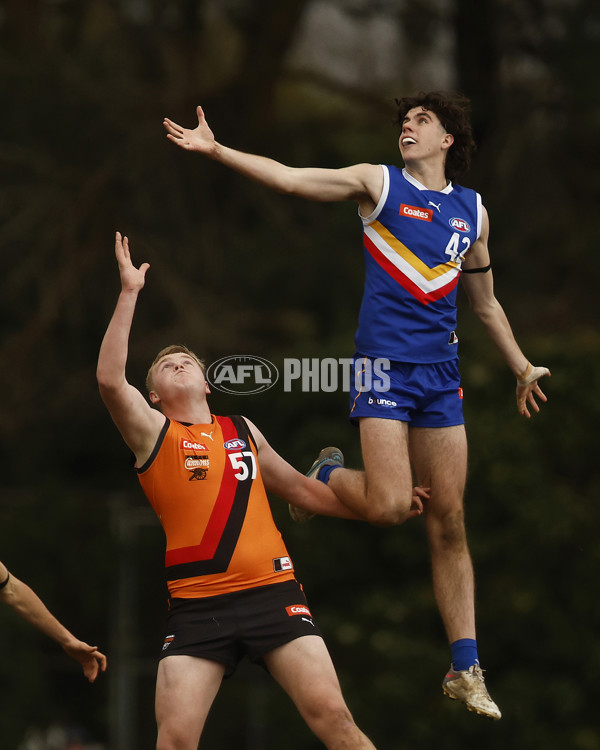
[(234, 444), (413, 212), (242, 374), (298, 609), (460, 225), (190, 445)]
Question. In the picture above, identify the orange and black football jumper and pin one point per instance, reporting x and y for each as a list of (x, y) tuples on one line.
[(204, 483)]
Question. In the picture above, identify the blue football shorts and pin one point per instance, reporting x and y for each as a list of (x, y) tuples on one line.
[(424, 395)]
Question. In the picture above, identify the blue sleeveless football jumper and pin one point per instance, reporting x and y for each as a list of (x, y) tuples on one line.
[(414, 243)]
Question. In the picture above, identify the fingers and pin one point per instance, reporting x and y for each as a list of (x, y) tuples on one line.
[(179, 140), (94, 664), (528, 388), (529, 396), (121, 244), (123, 255), (413, 512), (522, 407), (102, 661), (173, 128), (533, 402)]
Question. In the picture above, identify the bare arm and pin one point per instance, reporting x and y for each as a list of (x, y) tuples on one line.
[(136, 420), (362, 182), (480, 291), (30, 607), (310, 494), (290, 485)]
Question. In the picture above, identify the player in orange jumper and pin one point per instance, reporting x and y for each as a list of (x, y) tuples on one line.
[(231, 582), (30, 607)]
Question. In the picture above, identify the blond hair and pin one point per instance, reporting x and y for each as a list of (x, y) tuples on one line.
[(172, 349)]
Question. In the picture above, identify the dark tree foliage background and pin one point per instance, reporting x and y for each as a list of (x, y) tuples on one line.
[(236, 269)]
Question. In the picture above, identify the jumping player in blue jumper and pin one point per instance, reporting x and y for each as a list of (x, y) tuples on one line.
[(421, 234)]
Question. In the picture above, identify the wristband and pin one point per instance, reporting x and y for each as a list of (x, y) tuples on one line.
[(523, 377)]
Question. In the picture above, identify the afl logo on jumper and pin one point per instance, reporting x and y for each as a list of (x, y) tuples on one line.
[(235, 444), (413, 212), (460, 225)]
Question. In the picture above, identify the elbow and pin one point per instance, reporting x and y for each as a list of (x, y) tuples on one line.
[(287, 182), (286, 187), (102, 378), (485, 312), (106, 381), (479, 311)]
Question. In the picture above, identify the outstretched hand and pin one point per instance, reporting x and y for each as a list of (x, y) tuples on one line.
[(199, 139), (528, 388), (91, 660), (132, 278)]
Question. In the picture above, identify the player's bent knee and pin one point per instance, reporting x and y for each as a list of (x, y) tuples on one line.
[(385, 517), (387, 511)]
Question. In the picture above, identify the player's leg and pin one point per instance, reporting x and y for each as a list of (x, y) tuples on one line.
[(439, 457), (186, 687), (304, 669), (382, 494)]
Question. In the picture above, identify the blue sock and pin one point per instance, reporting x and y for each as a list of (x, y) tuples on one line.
[(325, 471), (464, 654)]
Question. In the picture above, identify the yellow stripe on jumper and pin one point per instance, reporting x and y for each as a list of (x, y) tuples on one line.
[(400, 249)]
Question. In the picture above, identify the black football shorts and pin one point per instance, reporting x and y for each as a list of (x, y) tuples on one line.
[(248, 623)]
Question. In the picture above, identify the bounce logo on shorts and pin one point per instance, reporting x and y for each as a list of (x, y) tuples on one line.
[(382, 401), (242, 374)]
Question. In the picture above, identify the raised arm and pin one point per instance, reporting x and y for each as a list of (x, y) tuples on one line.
[(136, 420), (479, 286), (362, 183), (30, 607)]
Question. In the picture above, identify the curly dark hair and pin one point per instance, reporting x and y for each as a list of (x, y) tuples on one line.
[(453, 110)]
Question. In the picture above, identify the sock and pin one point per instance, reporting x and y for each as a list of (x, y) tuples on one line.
[(464, 654), (325, 471)]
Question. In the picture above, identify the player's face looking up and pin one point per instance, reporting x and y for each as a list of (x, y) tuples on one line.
[(177, 371), (422, 135)]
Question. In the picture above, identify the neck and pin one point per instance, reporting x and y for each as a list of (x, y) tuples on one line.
[(431, 176), (193, 413)]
